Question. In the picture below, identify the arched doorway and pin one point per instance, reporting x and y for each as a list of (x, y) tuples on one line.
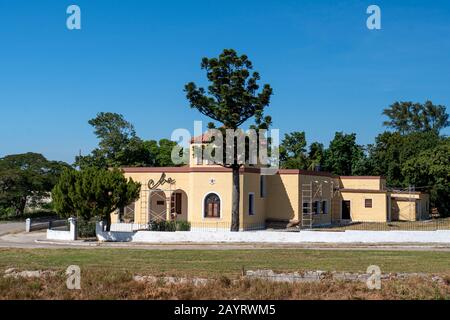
[(157, 206), (162, 201), (179, 205)]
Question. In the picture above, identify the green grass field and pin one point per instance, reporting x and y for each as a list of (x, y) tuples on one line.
[(228, 262)]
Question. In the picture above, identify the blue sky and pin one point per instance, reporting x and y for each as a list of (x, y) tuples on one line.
[(328, 71)]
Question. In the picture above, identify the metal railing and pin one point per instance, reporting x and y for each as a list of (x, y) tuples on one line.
[(424, 225), (42, 223)]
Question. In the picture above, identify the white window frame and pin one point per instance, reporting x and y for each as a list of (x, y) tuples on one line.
[(203, 207)]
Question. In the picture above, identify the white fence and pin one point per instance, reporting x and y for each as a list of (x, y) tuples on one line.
[(114, 236), (43, 223), (70, 235), (128, 227), (440, 236)]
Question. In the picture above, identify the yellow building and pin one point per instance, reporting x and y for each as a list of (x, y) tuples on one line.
[(201, 194)]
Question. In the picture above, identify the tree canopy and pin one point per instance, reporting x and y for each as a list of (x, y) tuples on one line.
[(413, 155), (233, 97), (119, 146), (344, 156), (408, 117), (93, 193), (25, 179), (430, 171), (293, 151)]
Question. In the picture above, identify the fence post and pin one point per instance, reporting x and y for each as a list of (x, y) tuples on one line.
[(28, 225), (99, 227), (73, 228)]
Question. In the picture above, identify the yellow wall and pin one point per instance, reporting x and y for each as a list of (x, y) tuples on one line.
[(283, 197), (404, 210), (358, 212), (363, 183), (222, 186), (410, 207), (250, 183)]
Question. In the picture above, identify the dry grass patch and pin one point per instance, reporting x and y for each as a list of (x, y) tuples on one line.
[(105, 285), (214, 263)]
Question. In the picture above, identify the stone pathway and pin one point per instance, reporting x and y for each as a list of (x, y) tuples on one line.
[(296, 277)]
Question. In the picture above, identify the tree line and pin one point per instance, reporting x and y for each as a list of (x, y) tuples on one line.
[(411, 154), (27, 180)]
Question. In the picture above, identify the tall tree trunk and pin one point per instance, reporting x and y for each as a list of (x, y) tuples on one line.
[(236, 199), (108, 222), (20, 206)]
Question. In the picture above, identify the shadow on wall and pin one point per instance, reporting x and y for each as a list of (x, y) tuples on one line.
[(279, 206), (395, 211)]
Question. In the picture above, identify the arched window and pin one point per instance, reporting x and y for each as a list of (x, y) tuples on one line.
[(212, 206)]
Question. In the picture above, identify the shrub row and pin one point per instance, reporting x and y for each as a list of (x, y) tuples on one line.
[(8, 214), (170, 226), (86, 229)]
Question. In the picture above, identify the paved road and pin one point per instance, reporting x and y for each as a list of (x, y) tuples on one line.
[(13, 227)]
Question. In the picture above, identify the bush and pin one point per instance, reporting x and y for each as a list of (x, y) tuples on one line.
[(170, 226), (6, 213), (183, 226), (9, 214), (86, 229)]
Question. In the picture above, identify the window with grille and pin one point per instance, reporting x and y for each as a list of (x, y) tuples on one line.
[(212, 206), (316, 207)]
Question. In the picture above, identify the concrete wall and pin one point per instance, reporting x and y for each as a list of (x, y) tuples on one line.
[(403, 210), (70, 235), (283, 197), (202, 184), (363, 183), (410, 207), (127, 227), (442, 237), (42, 224), (358, 211), (251, 184)]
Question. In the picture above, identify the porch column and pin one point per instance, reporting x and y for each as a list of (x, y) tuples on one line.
[(168, 205)]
